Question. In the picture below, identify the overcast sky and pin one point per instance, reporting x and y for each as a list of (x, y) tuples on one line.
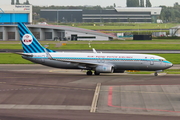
[(103, 3)]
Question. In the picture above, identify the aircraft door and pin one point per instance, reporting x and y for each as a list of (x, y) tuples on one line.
[(152, 61), (101, 60)]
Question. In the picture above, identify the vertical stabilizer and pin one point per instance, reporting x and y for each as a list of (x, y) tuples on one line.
[(29, 43)]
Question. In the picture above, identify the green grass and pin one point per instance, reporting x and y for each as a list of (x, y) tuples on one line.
[(120, 47), (103, 26), (174, 58), (10, 58), (10, 46), (108, 45)]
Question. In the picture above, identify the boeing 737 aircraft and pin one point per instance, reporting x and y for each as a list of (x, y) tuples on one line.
[(92, 62)]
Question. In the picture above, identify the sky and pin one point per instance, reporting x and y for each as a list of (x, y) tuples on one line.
[(102, 3)]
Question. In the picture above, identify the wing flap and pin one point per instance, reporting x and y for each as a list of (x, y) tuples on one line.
[(81, 63)]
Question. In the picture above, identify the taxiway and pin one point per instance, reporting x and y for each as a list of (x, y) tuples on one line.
[(35, 92)]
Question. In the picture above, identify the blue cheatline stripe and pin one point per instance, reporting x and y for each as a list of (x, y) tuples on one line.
[(72, 58)]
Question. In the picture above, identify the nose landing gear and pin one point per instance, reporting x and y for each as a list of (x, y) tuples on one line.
[(155, 74), (158, 71)]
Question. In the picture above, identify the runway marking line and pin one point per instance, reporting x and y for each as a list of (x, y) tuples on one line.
[(2, 82), (50, 86), (95, 98), (110, 94)]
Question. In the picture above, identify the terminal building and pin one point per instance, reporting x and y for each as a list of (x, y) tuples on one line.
[(50, 32), (10, 15), (127, 14)]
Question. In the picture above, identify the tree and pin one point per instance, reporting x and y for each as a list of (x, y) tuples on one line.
[(12, 2), (132, 3), (141, 3), (148, 3), (26, 3), (114, 5), (17, 2)]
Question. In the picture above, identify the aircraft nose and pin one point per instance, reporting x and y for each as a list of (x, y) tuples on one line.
[(169, 65)]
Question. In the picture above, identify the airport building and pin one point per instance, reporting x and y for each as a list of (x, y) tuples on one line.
[(10, 15), (52, 32), (127, 14)]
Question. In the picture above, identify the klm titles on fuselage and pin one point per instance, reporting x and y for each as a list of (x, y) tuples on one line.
[(110, 56)]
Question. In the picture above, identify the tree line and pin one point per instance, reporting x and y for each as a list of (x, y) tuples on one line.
[(138, 3), (170, 14), (18, 3)]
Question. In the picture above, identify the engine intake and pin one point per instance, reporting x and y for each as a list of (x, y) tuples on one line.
[(104, 69)]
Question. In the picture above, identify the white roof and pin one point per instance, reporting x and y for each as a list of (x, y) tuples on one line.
[(176, 27), (153, 10)]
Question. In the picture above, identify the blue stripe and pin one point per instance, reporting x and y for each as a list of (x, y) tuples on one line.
[(166, 62), (105, 59)]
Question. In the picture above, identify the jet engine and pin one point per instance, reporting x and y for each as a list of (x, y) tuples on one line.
[(104, 69)]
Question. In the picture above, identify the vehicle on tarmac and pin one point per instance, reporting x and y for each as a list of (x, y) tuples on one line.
[(92, 62)]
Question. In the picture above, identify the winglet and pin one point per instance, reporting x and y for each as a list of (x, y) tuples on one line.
[(94, 50)]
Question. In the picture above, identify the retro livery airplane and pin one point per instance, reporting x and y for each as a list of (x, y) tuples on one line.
[(97, 62)]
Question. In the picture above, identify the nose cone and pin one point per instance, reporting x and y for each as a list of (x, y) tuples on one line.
[(169, 65)]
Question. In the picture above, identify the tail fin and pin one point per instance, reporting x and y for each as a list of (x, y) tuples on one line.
[(29, 43)]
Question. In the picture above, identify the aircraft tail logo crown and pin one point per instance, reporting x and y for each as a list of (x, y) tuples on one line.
[(29, 43)]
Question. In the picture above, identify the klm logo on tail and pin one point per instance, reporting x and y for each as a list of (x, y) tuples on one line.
[(29, 43), (27, 39)]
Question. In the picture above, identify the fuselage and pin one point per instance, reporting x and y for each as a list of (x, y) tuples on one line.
[(141, 62)]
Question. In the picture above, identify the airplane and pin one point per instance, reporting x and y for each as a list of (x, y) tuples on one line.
[(95, 63)]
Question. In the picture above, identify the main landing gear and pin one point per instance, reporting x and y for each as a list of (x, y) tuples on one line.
[(90, 73)]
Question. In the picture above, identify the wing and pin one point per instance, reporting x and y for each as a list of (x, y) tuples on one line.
[(80, 63)]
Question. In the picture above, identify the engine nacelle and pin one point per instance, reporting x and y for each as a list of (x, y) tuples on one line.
[(104, 69)]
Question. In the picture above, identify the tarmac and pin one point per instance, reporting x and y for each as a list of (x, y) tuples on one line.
[(35, 92)]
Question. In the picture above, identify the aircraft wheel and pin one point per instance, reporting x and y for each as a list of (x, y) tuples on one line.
[(89, 72), (155, 74), (96, 73)]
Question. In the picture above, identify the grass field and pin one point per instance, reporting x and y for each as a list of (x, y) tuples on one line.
[(169, 44), (10, 58), (103, 26)]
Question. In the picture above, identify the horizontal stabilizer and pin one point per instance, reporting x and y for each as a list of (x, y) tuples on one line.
[(27, 55)]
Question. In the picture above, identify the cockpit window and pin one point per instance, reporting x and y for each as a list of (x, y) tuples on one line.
[(162, 59)]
